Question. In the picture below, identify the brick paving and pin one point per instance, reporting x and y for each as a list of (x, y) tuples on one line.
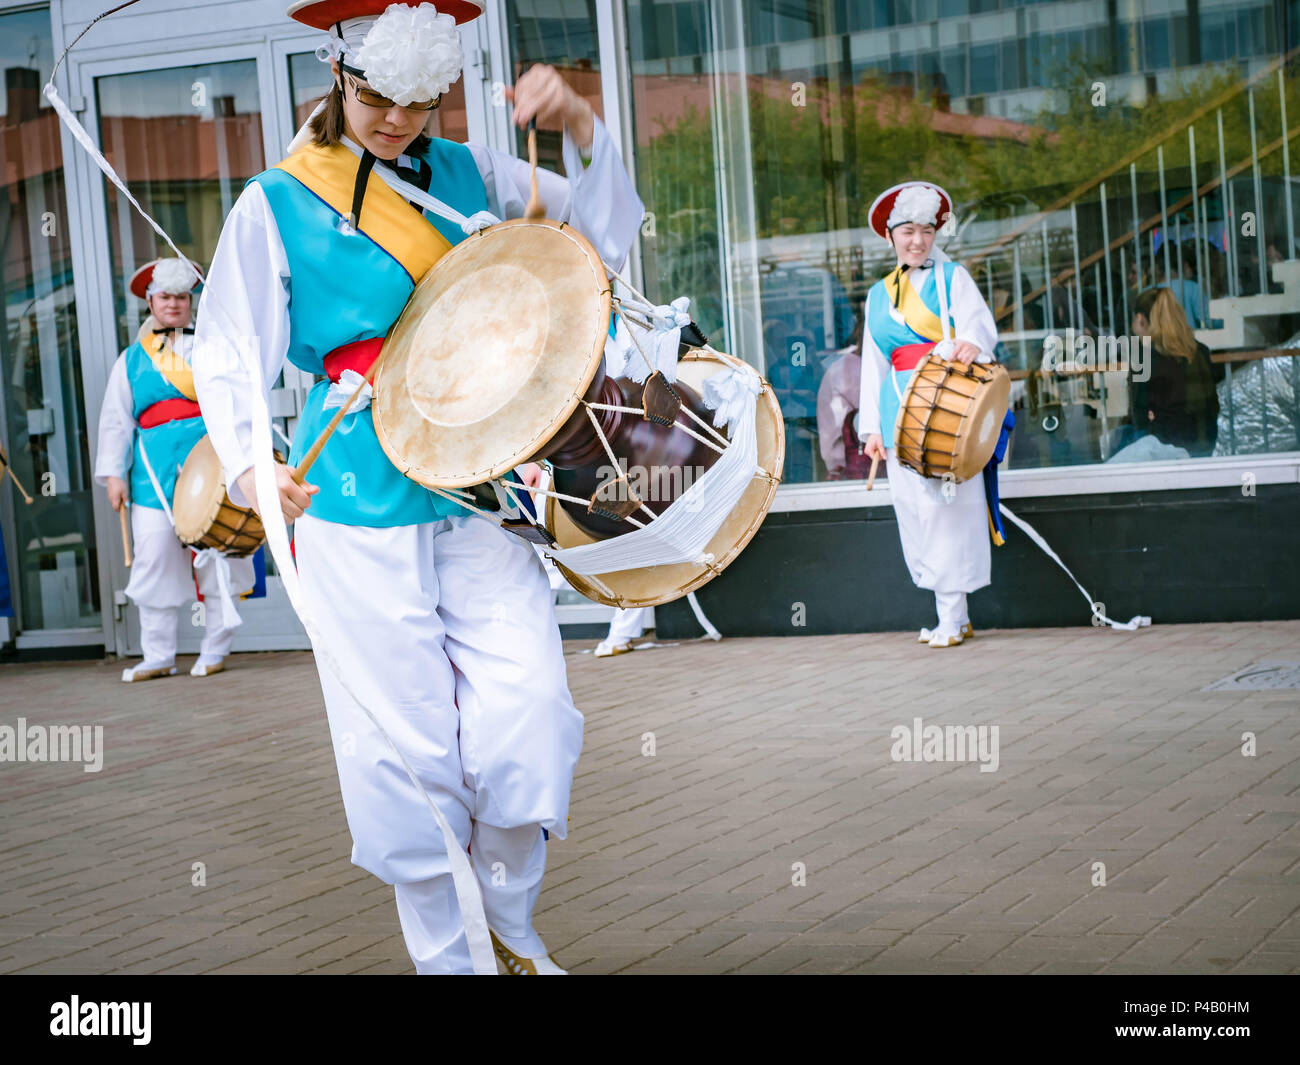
[(770, 756)]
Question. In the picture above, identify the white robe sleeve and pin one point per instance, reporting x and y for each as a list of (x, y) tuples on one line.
[(600, 202), (874, 368), (116, 426), (245, 299), (971, 314)]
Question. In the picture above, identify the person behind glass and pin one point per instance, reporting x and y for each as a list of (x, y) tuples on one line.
[(943, 527), (149, 422), (440, 622), (1179, 404)]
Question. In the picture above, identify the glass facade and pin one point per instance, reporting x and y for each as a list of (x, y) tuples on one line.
[(50, 544), (185, 139), (562, 34), (1092, 150)]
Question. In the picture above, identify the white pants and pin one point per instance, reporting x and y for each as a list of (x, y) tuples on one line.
[(629, 624), (508, 864), (447, 632), (945, 538), (162, 581)]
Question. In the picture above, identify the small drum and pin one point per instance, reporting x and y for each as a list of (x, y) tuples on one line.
[(203, 512), (951, 417), (498, 360)]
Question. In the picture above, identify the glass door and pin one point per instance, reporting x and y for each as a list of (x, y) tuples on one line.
[(50, 552), (185, 138)]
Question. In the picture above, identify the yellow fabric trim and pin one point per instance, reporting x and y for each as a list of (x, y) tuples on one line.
[(175, 369), (386, 218), (998, 541), (916, 314)]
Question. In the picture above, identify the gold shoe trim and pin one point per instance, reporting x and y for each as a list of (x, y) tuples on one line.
[(515, 965)]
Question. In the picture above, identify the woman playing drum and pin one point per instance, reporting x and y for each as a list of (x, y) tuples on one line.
[(150, 422), (943, 525), (443, 623)]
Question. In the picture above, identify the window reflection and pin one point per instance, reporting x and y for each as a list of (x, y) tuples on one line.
[(765, 130), (42, 425), (185, 140)]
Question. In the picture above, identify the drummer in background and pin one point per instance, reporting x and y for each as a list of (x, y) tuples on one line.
[(150, 412), (442, 623), (944, 527)]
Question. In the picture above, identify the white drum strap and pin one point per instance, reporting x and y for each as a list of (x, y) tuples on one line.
[(211, 557), (153, 479), (469, 225)]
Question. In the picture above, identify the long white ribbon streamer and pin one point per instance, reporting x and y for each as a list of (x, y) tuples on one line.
[(268, 496), (83, 138), (1139, 621), (705, 623)]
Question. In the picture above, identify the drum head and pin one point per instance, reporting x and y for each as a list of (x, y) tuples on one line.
[(492, 353), (655, 585), (980, 428), (200, 491)]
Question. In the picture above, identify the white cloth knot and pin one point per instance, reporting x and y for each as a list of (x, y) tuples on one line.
[(478, 221), (340, 392), (675, 315), (731, 394), (210, 556)]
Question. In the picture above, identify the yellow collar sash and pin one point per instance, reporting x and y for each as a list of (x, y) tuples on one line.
[(386, 218)]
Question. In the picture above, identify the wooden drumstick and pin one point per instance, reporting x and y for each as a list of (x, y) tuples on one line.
[(4, 461), (300, 474), (535, 210), (871, 477), (126, 535)]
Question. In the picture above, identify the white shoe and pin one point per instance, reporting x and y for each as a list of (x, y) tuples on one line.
[(519, 963), (939, 640), (607, 648), (966, 632), (146, 672), (201, 669)]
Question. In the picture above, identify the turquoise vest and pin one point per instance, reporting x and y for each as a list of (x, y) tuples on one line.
[(890, 334), (343, 287), (168, 444)]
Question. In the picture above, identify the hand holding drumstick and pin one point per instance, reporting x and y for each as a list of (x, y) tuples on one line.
[(874, 445)]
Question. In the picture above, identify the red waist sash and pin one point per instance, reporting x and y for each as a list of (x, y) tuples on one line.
[(359, 356), (906, 357), (168, 410)]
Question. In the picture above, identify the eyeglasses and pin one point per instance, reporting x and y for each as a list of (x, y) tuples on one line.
[(370, 98)]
